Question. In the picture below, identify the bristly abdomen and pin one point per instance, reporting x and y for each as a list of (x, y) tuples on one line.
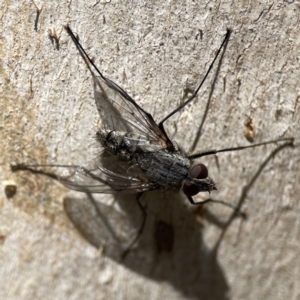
[(122, 144)]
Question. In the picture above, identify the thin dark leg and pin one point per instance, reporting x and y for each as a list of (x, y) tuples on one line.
[(247, 187), (289, 141), (30, 168), (199, 133), (236, 209), (140, 231), (62, 180), (160, 125)]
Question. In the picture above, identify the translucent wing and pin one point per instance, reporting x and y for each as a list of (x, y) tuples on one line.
[(106, 175), (113, 103), (118, 112)]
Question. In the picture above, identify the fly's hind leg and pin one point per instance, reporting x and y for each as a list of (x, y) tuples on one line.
[(140, 231)]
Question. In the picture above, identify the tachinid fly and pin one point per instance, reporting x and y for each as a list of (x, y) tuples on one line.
[(137, 154)]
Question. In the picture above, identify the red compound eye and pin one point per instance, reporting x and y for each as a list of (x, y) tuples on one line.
[(190, 189), (198, 171)]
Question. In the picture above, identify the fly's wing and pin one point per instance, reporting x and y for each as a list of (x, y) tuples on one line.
[(118, 112), (106, 175), (113, 102)]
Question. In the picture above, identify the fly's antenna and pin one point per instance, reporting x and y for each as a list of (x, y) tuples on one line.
[(225, 41)]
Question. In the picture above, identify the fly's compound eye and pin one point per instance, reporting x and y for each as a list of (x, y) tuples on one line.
[(199, 172)]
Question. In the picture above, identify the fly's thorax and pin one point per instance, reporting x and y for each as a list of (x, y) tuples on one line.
[(166, 168), (122, 144)]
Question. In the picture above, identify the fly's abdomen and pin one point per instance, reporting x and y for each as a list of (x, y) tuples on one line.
[(122, 144), (165, 168)]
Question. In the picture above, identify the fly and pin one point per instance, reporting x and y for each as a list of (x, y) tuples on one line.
[(137, 154)]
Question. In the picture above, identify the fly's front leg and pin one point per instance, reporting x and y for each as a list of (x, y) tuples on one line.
[(235, 208)]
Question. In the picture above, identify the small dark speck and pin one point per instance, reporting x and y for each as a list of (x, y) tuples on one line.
[(278, 114), (10, 190)]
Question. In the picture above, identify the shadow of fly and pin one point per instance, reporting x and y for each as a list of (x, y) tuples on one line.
[(137, 154)]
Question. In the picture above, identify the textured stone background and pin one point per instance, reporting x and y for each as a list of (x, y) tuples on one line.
[(158, 52)]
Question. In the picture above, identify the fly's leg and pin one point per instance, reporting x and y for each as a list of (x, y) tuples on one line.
[(224, 43), (235, 208), (61, 179), (288, 142), (140, 231), (30, 168)]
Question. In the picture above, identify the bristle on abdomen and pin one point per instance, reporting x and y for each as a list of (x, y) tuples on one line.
[(122, 144)]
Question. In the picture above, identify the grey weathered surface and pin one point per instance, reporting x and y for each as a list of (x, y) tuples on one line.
[(158, 53)]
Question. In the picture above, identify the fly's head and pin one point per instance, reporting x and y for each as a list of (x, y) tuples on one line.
[(198, 181)]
